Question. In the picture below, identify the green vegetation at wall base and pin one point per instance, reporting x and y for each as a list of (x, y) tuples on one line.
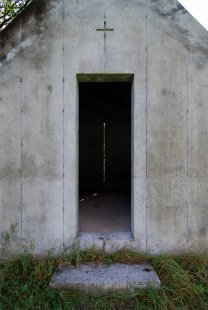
[(24, 283)]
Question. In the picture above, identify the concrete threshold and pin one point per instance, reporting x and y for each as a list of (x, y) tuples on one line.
[(109, 242), (100, 280)]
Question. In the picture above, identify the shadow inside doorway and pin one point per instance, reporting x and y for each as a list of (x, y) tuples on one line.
[(104, 157)]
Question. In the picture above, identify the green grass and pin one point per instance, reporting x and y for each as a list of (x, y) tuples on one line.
[(24, 283)]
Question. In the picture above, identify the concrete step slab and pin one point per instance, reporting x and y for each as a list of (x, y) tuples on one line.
[(101, 279)]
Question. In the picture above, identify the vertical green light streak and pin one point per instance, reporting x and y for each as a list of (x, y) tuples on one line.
[(104, 152)]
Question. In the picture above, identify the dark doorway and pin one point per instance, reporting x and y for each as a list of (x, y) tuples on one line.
[(104, 156)]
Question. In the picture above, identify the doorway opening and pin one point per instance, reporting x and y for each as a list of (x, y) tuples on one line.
[(105, 157)]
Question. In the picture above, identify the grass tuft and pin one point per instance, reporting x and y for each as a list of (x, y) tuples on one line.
[(24, 283)]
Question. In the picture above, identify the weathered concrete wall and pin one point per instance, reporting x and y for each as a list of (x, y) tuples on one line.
[(41, 53), (166, 136), (10, 148), (32, 102)]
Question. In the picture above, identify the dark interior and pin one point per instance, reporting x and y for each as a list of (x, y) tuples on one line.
[(104, 138), (108, 103)]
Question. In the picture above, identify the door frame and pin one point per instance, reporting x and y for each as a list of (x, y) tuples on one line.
[(139, 144)]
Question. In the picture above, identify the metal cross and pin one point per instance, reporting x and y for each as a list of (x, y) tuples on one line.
[(105, 29)]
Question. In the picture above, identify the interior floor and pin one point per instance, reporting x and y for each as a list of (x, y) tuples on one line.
[(105, 212)]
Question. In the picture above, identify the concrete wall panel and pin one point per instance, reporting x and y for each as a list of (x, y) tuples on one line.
[(10, 157), (166, 140), (42, 132), (198, 214), (198, 146), (198, 115), (166, 210), (10, 145), (167, 104)]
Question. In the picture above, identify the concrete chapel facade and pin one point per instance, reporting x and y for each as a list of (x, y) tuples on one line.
[(143, 64)]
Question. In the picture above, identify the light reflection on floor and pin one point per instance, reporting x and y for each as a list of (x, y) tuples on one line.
[(105, 212)]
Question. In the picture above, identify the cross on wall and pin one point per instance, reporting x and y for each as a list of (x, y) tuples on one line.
[(105, 29)]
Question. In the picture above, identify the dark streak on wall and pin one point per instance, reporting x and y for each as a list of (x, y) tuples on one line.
[(171, 14), (8, 36)]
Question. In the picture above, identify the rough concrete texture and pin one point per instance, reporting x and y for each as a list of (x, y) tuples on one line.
[(107, 242), (100, 280), (41, 53)]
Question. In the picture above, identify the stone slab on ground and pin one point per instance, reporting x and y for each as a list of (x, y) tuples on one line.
[(101, 279)]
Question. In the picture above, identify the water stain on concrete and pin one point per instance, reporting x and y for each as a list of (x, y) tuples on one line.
[(50, 88), (171, 13)]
